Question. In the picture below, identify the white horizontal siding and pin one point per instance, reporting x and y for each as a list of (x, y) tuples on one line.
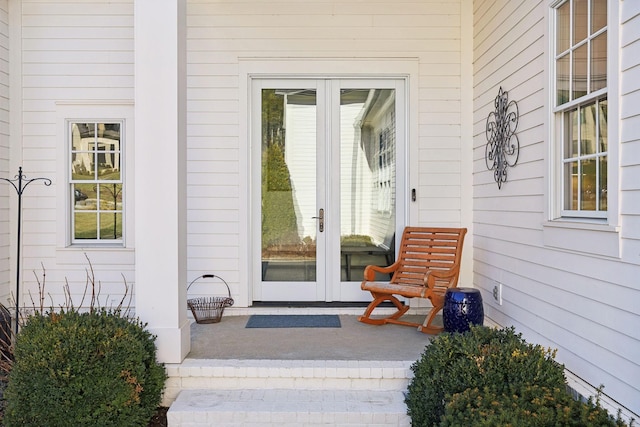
[(630, 170), (78, 50), (583, 304), (6, 196), (219, 33)]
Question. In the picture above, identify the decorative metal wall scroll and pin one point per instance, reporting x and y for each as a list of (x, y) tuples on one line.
[(502, 147), (19, 184)]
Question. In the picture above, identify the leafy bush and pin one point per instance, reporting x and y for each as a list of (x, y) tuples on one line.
[(279, 221), (83, 369), (527, 406), (480, 358)]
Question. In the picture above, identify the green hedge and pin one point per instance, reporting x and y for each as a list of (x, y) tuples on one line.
[(492, 377), (279, 221), (454, 362), (83, 369), (526, 406)]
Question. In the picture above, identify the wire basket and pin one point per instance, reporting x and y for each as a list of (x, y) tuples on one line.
[(209, 309)]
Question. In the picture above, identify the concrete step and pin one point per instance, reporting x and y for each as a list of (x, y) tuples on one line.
[(288, 407), (203, 374), (206, 392)]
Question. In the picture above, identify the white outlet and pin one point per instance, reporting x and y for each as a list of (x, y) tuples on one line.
[(497, 293)]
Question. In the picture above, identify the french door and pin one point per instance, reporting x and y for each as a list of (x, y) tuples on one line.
[(328, 186)]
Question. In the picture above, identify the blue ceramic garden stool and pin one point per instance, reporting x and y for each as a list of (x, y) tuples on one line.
[(462, 306)]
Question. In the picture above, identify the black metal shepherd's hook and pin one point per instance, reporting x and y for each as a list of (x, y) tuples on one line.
[(19, 184)]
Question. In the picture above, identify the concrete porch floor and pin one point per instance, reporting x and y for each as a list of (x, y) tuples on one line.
[(355, 375), (229, 339)]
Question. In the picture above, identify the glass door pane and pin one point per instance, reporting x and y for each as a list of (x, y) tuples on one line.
[(324, 180), (367, 180), (288, 185)]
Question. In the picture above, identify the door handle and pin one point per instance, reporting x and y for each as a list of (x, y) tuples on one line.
[(321, 218)]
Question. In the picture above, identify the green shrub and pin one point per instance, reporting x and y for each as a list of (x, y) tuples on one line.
[(526, 406), (83, 369), (279, 221), (480, 358)]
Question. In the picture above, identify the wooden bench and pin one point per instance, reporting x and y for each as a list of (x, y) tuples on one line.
[(428, 263)]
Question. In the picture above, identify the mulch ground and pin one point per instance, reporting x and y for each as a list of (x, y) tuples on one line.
[(160, 418)]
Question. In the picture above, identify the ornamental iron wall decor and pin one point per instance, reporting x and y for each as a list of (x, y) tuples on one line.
[(502, 147)]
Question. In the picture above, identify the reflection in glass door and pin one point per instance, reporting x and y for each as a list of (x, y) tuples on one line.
[(367, 180), (288, 185), (327, 186)]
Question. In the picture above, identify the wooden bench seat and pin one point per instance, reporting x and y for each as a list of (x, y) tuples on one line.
[(428, 263)]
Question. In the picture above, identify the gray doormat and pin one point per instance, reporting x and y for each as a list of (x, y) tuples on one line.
[(294, 321)]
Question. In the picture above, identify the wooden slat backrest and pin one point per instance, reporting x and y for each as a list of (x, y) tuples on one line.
[(423, 249)]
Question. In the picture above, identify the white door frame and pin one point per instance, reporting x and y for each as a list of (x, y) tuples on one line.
[(257, 67), (304, 290), (327, 286), (350, 291)]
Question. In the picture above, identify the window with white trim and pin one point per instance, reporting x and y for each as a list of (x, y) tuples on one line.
[(96, 182), (580, 106)]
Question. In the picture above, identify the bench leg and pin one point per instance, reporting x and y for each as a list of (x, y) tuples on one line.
[(426, 327), (377, 300)]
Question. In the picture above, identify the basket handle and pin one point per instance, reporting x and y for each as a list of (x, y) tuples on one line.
[(210, 276)]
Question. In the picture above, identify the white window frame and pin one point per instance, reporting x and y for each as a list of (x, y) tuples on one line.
[(100, 185), (69, 112), (589, 234), (559, 112)]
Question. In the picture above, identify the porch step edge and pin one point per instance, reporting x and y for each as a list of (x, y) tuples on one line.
[(290, 368), (340, 310), (212, 374), (268, 407)]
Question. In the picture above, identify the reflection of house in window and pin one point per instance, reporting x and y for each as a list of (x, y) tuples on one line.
[(299, 113), (385, 172), (95, 144), (367, 161), (96, 182), (585, 157)]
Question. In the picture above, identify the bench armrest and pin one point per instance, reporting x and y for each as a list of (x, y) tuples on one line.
[(433, 276), (371, 270)]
